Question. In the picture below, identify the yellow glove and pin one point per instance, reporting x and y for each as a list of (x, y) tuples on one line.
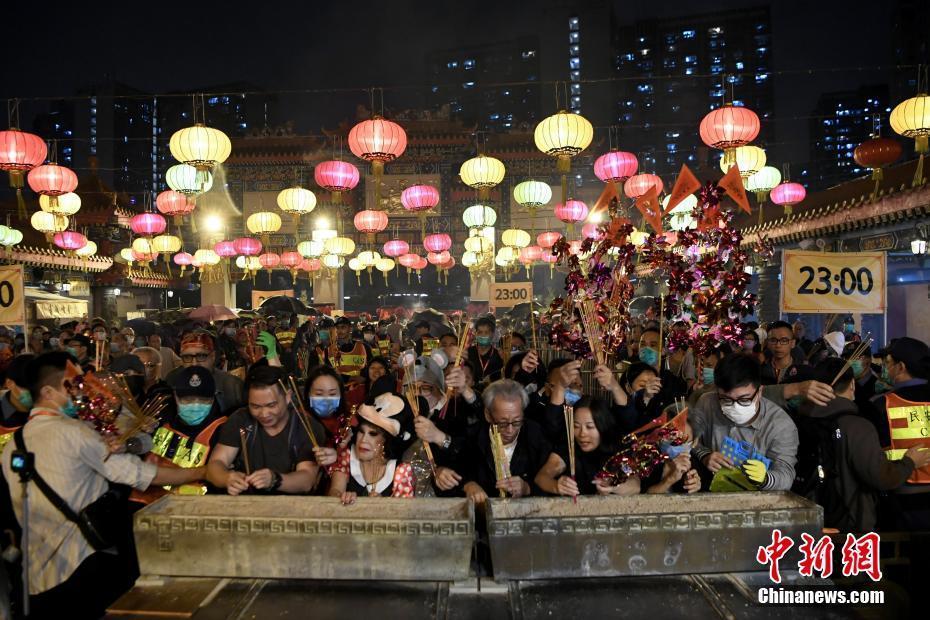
[(755, 470)]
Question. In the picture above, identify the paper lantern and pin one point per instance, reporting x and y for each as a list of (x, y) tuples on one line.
[(173, 204), (225, 249), (479, 216), (263, 223), (548, 239), (590, 231), (418, 198), (377, 141), (148, 224), (20, 152), (515, 238), (68, 204), (763, 181), (336, 176), (206, 257), (571, 211), (639, 184), (531, 253), (478, 244), (247, 246), (332, 261), (70, 240), (48, 223), (340, 246), (370, 222), (89, 249), (142, 245), (166, 244), (188, 180), (311, 264), (269, 261), (563, 136), (291, 259), (750, 160), (788, 194), (438, 258), (310, 249), (296, 201), (729, 127), (127, 255), (911, 119), (681, 216), (201, 147), (615, 166), (469, 259), (437, 242), (408, 260), (876, 153), (52, 180), (482, 173), (385, 266), (183, 259), (396, 247), (368, 258), (142, 257), (531, 195)]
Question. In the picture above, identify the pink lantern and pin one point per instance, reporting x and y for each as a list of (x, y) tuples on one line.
[(438, 258), (247, 246), (183, 259), (377, 140), (615, 166), (370, 222), (225, 249), (571, 211), (21, 151), (141, 257), (548, 239), (70, 240), (419, 198), (396, 247), (549, 257), (788, 194), (438, 242), (174, 204), (148, 224), (269, 261), (531, 253), (336, 176), (729, 127), (590, 231), (52, 180), (421, 263), (291, 259), (311, 264), (639, 184), (409, 260)]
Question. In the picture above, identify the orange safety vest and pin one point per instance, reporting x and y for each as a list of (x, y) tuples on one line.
[(909, 424), (351, 363), (188, 454), (6, 434)]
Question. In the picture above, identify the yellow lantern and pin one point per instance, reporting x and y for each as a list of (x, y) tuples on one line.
[(323, 234), (515, 238), (310, 249), (332, 261), (339, 246), (88, 250), (385, 266), (264, 223), (764, 181), (48, 223), (482, 173), (531, 195), (207, 257), (368, 258), (126, 255), (68, 204), (469, 259), (563, 136), (749, 158), (184, 179), (477, 244), (143, 245), (911, 119), (297, 201), (479, 216), (201, 147), (356, 265), (166, 244)]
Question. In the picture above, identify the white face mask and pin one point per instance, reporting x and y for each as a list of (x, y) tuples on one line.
[(739, 414)]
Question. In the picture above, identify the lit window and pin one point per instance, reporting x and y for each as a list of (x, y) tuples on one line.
[(761, 77), (738, 102), (452, 64), (629, 56), (576, 100), (644, 88), (573, 37), (243, 125), (469, 64), (529, 54), (627, 117), (574, 50), (573, 23), (687, 34), (739, 65), (716, 30), (435, 89), (468, 85), (574, 75), (716, 69), (690, 59), (576, 89), (689, 71), (642, 39), (761, 50), (213, 100), (672, 147), (67, 132), (644, 51), (574, 63)]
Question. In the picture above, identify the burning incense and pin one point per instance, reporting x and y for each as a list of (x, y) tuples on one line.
[(862, 348), (500, 457), (533, 328), (245, 451), (592, 329)]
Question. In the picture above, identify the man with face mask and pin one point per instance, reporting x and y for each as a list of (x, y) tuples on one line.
[(483, 355), (348, 355), (670, 387), (198, 349), (15, 399), (80, 347), (737, 409)]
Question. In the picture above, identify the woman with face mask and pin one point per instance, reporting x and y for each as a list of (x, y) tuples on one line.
[(324, 395)]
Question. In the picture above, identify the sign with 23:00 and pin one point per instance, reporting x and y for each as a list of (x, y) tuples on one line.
[(509, 294), (833, 282)]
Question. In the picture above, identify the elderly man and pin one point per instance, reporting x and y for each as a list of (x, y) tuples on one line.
[(169, 359), (526, 449), (197, 349), (738, 410)]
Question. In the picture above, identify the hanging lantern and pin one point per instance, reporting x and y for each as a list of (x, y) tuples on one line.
[(356, 265), (590, 231), (615, 166), (515, 237), (438, 242), (409, 261), (378, 141), (20, 152), (548, 239), (482, 173), (370, 222), (127, 255), (572, 211), (763, 181), (67, 204), (639, 184), (264, 223), (291, 261), (638, 237), (420, 199), (876, 153), (788, 194), (141, 245), (247, 246), (188, 180), (332, 261), (201, 147), (183, 260), (531, 195), (478, 244), (225, 249), (49, 223), (469, 260), (911, 119), (336, 176), (269, 261), (142, 257), (563, 136), (174, 204), (323, 234), (166, 244), (438, 258), (681, 215), (749, 159), (148, 224), (396, 247), (53, 181), (311, 265), (729, 127), (385, 266), (89, 249), (70, 240), (311, 249), (339, 246), (479, 216), (296, 201)]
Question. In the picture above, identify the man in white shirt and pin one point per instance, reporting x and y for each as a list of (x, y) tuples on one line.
[(67, 577)]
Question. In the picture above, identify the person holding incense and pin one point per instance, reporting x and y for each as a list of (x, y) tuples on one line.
[(264, 447), (595, 435), (483, 355), (503, 455)]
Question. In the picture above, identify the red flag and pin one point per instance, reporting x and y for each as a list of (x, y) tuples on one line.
[(648, 205), (732, 183), (610, 193), (685, 184)]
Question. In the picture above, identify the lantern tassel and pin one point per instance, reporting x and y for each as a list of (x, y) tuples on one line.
[(919, 172), (21, 204)]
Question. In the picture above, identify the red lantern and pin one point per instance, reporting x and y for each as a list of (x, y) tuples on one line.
[(438, 258), (52, 180), (140, 257), (371, 222), (877, 153), (531, 253), (419, 198), (438, 242), (788, 194), (449, 264), (378, 141), (174, 204), (225, 249), (337, 177), (571, 211), (549, 257), (70, 240), (548, 239), (269, 261), (148, 224), (396, 247), (615, 166), (183, 259), (729, 127), (408, 260), (638, 185), (291, 259), (311, 264), (19, 153), (420, 263), (247, 246)]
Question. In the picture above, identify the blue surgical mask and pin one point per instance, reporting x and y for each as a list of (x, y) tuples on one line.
[(572, 397), (25, 399), (707, 375), (483, 341), (324, 337), (72, 351), (69, 408), (673, 451), (648, 355), (856, 366), (193, 414), (325, 406), (849, 328)]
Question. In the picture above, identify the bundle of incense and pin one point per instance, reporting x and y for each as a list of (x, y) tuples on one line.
[(500, 457), (862, 348), (592, 328), (661, 326), (245, 451), (302, 414), (505, 346), (533, 329), (414, 401), (569, 412)]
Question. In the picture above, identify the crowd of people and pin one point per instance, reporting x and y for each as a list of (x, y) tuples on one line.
[(390, 408)]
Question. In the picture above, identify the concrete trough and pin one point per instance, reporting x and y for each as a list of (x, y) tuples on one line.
[(282, 537), (553, 538)]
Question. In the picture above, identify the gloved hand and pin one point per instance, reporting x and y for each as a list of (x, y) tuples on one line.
[(755, 470), (271, 345)]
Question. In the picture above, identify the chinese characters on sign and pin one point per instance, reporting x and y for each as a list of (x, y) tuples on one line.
[(859, 555)]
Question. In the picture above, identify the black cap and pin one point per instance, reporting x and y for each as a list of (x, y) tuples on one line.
[(911, 351), (370, 327), (127, 362), (194, 381), (343, 320), (421, 324), (84, 340)]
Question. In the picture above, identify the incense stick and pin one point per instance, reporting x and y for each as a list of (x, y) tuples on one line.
[(569, 412), (865, 344), (497, 451), (533, 328), (245, 451), (302, 414), (661, 325), (414, 401), (591, 328)]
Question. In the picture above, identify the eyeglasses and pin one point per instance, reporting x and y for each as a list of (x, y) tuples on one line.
[(150, 364), (196, 357), (502, 426), (780, 340), (744, 401)]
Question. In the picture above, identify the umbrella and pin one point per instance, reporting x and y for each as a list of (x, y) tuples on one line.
[(142, 327), (285, 304), (212, 312), (522, 311), (438, 322)]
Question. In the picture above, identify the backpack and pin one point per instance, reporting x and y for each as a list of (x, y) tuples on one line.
[(817, 470)]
